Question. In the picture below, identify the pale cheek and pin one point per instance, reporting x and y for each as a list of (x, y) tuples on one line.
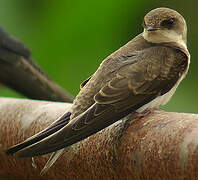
[(154, 37), (164, 36)]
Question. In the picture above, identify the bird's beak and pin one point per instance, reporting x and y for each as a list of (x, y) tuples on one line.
[(151, 28)]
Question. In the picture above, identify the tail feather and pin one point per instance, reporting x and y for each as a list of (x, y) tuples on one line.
[(54, 156), (96, 118), (41, 135)]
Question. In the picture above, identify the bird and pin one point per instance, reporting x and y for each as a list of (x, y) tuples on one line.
[(141, 75)]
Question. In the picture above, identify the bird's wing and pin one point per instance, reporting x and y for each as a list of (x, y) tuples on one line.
[(133, 86), (54, 127)]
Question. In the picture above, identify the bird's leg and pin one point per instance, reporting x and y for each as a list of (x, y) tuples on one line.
[(127, 121)]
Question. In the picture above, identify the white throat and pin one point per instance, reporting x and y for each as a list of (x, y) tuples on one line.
[(162, 36)]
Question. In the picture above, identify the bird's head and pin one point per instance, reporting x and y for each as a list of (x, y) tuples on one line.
[(164, 25)]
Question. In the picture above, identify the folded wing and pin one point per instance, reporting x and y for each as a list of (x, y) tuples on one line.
[(134, 85)]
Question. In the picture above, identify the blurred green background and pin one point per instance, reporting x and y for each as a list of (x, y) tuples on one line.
[(70, 38)]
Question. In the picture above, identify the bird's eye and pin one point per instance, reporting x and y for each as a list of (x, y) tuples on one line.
[(168, 23)]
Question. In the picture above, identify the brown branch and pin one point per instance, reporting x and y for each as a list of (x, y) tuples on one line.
[(162, 145), (20, 72)]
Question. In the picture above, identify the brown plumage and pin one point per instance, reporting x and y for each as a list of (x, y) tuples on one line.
[(141, 75)]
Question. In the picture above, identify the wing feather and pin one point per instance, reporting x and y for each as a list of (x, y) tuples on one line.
[(134, 85)]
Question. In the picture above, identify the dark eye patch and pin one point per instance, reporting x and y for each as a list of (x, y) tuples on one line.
[(168, 23)]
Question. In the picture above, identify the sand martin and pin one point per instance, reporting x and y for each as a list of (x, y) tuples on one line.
[(141, 75)]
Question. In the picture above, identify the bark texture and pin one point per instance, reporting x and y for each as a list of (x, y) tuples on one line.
[(161, 145)]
